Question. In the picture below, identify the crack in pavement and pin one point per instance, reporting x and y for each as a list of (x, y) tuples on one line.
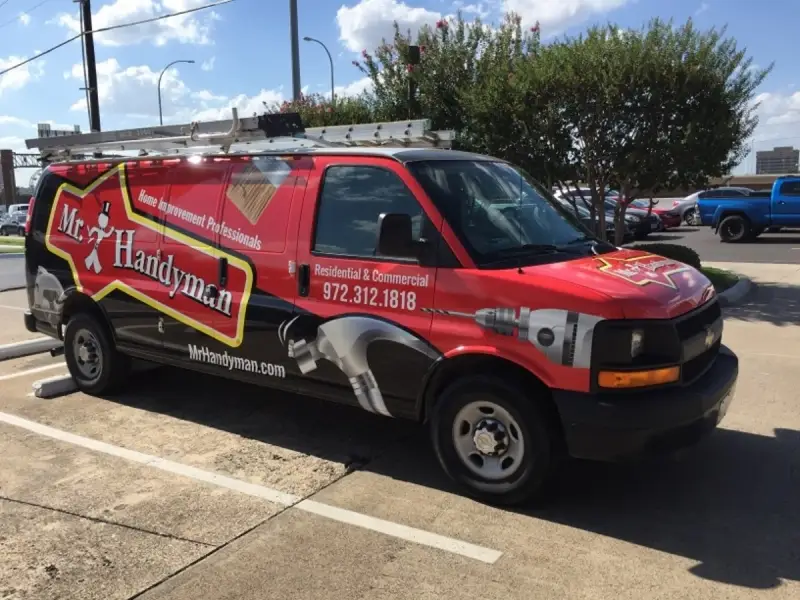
[(104, 521)]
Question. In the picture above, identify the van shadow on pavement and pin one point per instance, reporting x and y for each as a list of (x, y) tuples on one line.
[(775, 303), (730, 503)]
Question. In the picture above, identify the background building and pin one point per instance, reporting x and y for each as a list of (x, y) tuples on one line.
[(782, 159)]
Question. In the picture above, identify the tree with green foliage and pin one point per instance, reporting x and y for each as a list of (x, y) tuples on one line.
[(658, 107), (449, 52), (318, 111)]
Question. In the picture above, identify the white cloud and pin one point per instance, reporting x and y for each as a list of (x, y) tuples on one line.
[(133, 90), (778, 125), (194, 28), (14, 121), (208, 65), (704, 6), (367, 23), (353, 89), (24, 18), (556, 16), (479, 9), (247, 106), (20, 77)]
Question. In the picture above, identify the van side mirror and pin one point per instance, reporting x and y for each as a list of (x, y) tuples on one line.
[(395, 237)]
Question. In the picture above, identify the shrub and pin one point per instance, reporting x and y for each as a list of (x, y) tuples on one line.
[(674, 251)]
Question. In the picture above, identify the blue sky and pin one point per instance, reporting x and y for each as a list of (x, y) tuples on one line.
[(242, 53)]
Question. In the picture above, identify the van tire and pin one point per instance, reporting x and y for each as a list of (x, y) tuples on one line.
[(485, 397), (735, 228), (92, 358)]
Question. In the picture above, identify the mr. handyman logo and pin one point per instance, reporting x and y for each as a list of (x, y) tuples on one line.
[(111, 248), (643, 270)]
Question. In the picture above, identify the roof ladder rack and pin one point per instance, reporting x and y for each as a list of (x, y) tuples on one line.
[(277, 131)]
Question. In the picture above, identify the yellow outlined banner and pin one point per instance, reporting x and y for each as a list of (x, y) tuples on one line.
[(103, 257)]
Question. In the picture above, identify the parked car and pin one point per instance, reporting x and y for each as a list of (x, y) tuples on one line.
[(585, 217), (669, 217), (13, 224), (687, 208), (742, 218), (638, 222)]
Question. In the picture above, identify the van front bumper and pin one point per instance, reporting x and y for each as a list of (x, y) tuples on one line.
[(616, 426)]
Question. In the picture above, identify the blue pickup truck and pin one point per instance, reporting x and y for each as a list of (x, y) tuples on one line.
[(744, 218)]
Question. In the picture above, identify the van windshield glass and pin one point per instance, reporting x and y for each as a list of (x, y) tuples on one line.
[(498, 211)]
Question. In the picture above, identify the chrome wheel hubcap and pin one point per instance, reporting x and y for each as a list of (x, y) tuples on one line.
[(88, 356), (488, 440)]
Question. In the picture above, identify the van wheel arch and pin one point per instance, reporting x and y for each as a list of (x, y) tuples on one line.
[(449, 370), (77, 303)]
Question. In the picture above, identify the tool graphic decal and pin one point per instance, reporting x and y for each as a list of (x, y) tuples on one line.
[(344, 341), (564, 337), (643, 270), (109, 247)]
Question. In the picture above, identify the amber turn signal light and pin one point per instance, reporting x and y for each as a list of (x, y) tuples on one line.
[(634, 379)]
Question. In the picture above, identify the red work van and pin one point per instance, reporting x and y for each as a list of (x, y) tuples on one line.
[(425, 284)]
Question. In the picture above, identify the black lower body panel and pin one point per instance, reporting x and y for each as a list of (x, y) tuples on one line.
[(616, 426)]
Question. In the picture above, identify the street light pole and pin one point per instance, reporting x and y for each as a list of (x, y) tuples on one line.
[(174, 62), (324, 47)]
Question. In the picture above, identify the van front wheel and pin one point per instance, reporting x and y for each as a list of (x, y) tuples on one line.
[(494, 441), (92, 359)]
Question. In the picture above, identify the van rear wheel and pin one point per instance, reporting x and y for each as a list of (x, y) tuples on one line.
[(494, 441), (92, 359)]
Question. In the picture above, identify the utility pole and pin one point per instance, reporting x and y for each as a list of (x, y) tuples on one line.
[(91, 64), (295, 50)]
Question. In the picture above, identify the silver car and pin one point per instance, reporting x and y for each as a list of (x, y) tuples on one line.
[(688, 206)]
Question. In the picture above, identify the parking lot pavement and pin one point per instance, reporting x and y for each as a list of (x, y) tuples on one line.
[(12, 272), (12, 305), (781, 247), (89, 518)]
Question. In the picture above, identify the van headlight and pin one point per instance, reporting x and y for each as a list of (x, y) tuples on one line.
[(637, 342)]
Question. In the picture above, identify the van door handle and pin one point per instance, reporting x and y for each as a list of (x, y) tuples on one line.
[(303, 280), (223, 272)]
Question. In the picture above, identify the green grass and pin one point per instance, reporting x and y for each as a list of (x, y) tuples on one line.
[(721, 278), (12, 250), (11, 240)]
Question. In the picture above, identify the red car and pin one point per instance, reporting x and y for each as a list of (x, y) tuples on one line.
[(669, 217)]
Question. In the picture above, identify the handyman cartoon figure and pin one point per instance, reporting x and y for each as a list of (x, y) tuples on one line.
[(98, 234)]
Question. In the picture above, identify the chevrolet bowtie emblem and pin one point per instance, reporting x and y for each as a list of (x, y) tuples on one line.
[(709, 337)]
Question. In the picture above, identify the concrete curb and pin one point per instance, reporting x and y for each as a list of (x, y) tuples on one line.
[(28, 347), (11, 254), (737, 292), (51, 387)]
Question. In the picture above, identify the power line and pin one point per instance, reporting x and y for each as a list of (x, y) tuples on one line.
[(27, 12), (3, 3), (111, 28)]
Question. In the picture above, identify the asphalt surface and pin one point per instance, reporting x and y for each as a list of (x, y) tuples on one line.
[(781, 248), (167, 491), (12, 272)]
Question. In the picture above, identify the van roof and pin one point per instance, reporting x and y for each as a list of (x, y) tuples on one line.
[(398, 153)]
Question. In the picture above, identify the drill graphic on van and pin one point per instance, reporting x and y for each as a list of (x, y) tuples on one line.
[(110, 247)]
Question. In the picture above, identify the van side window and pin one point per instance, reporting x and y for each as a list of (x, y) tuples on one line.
[(350, 204)]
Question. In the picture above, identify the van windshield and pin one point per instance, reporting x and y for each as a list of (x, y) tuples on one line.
[(499, 212)]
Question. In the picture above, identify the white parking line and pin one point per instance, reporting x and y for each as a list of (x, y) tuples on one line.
[(7, 307), (396, 530), (32, 371)]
